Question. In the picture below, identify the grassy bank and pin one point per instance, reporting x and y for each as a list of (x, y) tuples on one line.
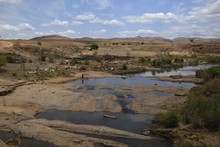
[(201, 111)]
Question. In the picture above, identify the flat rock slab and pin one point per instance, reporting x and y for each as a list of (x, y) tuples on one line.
[(2, 144)]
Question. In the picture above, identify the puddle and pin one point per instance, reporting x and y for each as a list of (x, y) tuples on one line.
[(130, 122), (13, 140), (135, 80)]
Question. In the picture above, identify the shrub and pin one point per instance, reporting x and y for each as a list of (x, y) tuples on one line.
[(178, 60), (43, 57), (141, 60), (167, 120), (93, 47), (124, 67), (202, 108), (39, 43), (87, 62), (3, 60), (208, 74)]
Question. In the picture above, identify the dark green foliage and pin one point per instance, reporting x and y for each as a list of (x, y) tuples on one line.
[(93, 47), (124, 67), (213, 59), (162, 62), (3, 60), (208, 74), (43, 57), (167, 120), (202, 108), (178, 60), (141, 60), (39, 43)]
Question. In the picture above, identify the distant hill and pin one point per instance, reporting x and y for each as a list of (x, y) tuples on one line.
[(142, 39), (131, 39), (50, 37), (185, 39)]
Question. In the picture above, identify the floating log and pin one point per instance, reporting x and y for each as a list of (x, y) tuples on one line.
[(110, 116)]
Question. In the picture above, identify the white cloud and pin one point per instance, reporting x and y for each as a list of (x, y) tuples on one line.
[(21, 27), (113, 22), (102, 4), (13, 31), (205, 13), (210, 31), (11, 1), (151, 17), (94, 19), (89, 17), (77, 23), (140, 32), (56, 22)]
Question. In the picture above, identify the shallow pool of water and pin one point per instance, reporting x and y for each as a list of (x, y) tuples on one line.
[(129, 122), (134, 80), (184, 71), (13, 140)]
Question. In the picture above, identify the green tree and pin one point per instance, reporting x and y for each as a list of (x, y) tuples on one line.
[(94, 47)]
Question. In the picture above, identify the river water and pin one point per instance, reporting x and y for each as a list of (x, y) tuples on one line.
[(126, 120)]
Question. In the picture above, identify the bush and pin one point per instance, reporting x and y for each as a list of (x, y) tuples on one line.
[(124, 67), (141, 60), (208, 74), (39, 43), (178, 60), (43, 57), (202, 108), (3, 60), (94, 47), (167, 120)]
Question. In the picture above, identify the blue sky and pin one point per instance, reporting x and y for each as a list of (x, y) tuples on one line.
[(25, 19)]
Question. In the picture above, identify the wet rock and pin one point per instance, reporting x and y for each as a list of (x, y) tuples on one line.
[(110, 116), (180, 94), (146, 132)]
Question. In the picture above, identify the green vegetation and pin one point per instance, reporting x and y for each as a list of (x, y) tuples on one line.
[(39, 43), (207, 74), (141, 60), (162, 62), (167, 120), (43, 57), (124, 67), (213, 59), (7, 58), (3, 60), (50, 57), (191, 40), (202, 108), (93, 47), (178, 60)]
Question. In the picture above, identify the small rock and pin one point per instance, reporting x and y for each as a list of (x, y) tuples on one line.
[(193, 137), (110, 116), (146, 132)]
